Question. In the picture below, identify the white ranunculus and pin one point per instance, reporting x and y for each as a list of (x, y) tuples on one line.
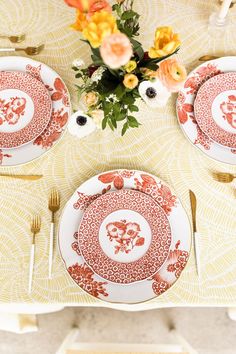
[(78, 63), (81, 125), (154, 93)]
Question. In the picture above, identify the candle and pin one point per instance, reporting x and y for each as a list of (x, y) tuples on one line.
[(224, 9)]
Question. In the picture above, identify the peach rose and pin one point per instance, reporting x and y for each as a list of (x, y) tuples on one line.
[(116, 50), (172, 74), (91, 98)]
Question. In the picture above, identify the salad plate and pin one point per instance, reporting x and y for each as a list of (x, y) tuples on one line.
[(124, 236), (215, 109), (186, 114), (25, 108), (59, 116)]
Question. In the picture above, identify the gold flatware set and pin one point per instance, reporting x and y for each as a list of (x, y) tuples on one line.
[(30, 50), (53, 206)]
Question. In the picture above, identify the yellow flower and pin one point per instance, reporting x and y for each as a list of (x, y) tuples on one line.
[(130, 81), (81, 21), (165, 42), (130, 66), (91, 98), (101, 24)]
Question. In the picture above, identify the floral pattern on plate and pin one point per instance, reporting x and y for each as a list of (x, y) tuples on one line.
[(172, 267), (185, 109), (208, 106), (59, 117), (116, 262), (31, 102)]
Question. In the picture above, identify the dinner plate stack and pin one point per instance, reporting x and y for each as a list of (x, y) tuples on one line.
[(124, 236), (34, 109), (206, 108)]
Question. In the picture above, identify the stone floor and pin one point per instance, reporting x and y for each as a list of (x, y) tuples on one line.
[(208, 330)]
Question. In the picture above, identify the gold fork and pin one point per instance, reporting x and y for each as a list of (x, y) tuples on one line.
[(53, 206), (27, 50), (35, 228), (223, 177), (14, 39)]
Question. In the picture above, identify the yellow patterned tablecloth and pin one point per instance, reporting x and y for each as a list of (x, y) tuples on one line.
[(158, 147)]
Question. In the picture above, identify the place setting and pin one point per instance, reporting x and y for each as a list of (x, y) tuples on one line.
[(124, 236), (34, 105)]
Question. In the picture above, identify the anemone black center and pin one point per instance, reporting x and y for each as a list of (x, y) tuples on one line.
[(81, 120), (151, 92)]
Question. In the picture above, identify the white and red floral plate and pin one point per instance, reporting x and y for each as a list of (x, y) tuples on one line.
[(60, 110), (104, 289), (124, 236), (25, 108), (185, 109), (215, 109)]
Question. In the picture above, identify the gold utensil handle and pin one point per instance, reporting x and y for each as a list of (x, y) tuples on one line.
[(208, 57), (24, 177)]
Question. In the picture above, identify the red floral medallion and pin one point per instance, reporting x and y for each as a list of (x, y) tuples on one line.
[(12, 110), (125, 234)]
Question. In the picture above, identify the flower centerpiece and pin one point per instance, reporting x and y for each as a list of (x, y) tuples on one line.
[(121, 71)]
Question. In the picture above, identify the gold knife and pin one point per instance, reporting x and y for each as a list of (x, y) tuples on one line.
[(193, 202)]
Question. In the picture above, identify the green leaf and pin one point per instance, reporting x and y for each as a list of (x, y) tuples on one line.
[(128, 99), (129, 14), (133, 108), (104, 122), (151, 65), (121, 116), (133, 122), (124, 129), (120, 91), (137, 47), (113, 121), (110, 125)]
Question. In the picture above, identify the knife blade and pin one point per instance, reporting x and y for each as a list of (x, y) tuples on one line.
[(193, 202)]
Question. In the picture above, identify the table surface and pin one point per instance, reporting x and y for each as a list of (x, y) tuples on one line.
[(158, 147)]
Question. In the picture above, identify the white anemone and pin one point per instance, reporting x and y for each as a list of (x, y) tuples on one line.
[(154, 93), (81, 124)]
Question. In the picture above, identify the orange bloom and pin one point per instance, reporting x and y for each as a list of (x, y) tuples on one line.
[(81, 21), (99, 5), (172, 74), (89, 6), (116, 50)]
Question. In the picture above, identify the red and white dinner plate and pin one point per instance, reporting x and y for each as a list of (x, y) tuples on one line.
[(215, 109), (59, 116), (186, 112), (96, 285), (25, 108), (124, 236)]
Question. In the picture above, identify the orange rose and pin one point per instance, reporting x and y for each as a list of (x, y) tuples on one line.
[(172, 74), (89, 6), (116, 50)]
